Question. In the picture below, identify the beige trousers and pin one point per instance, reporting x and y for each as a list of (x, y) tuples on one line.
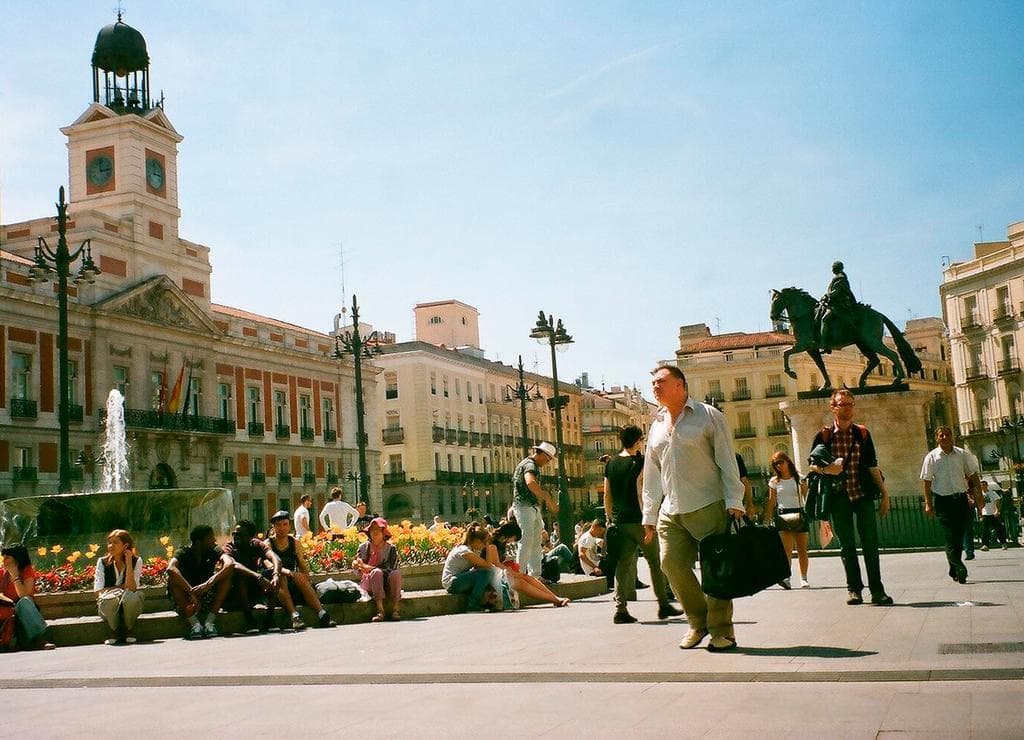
[(118, 604), (679, 535)]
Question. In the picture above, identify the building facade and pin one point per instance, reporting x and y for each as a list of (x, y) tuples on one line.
[(742, 374), (213, 395), (605, 413), (451, 422), (983, 306)]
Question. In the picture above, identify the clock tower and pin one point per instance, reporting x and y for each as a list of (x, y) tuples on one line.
[(123, 150)]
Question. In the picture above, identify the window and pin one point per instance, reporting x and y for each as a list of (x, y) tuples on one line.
[(462, 463), (257, 466), (280, 409), (1003, 301), (433, 384), (305, 412), (970, 311), (158, 390), (328, 412), (282, 469), (394, 464), (307, 468), (331, 474), (120, 378), (469, 391), (224, 400), (449, 462), (715, 389), (437, 461), (458, 389), (480, 393), (444, 385), (259, 508), (228, 465), (192, 392), (394, 420), (391, 386), (72, 382), (434, 320), (20, 369), (253, 393)]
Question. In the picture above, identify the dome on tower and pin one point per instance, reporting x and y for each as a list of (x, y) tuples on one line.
[(120, 49)]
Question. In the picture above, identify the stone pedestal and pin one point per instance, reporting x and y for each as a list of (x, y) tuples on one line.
[(898, 426)]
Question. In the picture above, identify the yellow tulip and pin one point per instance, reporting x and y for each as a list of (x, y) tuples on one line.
[(41, 551), (93, 548), (90, 555), (56, 549), (165, 540)]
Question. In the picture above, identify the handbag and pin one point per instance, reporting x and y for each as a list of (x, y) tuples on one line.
[(742, 560), (790, 520)]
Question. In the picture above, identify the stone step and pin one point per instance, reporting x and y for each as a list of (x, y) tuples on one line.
[(164, 625)]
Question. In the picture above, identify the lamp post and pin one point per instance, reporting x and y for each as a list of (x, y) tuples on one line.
[(350, 343), (355, 478), (48, 260), (1014, 427), (522, 393), (549, 331)]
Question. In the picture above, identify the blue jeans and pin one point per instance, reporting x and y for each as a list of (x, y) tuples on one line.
[(30, 623), (529, 553), (562, 555), (844, 512), (473, 582)]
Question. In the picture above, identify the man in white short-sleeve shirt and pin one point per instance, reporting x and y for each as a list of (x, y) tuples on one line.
[(950, 478)]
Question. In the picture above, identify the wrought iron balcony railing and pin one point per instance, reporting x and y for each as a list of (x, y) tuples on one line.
[(23, 408), (393, 436), (330, 436), (256, 429)]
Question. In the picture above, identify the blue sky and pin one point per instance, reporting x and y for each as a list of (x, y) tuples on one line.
[(630, 167)]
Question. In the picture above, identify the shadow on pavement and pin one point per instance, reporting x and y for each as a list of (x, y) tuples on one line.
[(806, 651), (939, 604)]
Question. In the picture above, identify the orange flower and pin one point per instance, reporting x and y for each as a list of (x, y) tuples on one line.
[(56, 549), (41, 551)]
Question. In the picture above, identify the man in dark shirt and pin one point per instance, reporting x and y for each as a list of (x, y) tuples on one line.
[(198, 579), (622, 486), (527, 495), (295, 571), (257, 571)]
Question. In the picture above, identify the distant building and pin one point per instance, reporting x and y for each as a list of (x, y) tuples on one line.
[(451, 429), (983, 306), (605, 413)]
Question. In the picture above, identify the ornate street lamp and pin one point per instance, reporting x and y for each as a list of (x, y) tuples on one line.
[(550, 331), (522, 393), (355, 478), (48, 260), (360, 348)]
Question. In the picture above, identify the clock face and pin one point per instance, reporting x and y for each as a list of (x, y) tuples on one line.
[(100, 169), (154, 174)]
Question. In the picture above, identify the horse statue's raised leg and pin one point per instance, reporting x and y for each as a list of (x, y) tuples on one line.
[(816, 356), (873, 362)]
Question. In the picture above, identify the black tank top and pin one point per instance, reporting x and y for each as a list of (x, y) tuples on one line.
[(289, 558)]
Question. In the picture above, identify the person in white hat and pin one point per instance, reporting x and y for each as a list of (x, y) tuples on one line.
[(527, 496)]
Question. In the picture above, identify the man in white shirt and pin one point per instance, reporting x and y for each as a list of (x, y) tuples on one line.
[(337, 515), (950, 477), (691, 487), (301, 517), (590, 546), (991, 519)]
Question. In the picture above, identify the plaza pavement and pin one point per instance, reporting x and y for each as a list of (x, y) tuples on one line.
[(946, 661)]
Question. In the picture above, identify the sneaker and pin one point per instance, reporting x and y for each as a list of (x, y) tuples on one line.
[(623, 618), (804, 583), (297, 623), (881, 600), (785, 584), (326, 621), (853, 598), (130, 640), (110, 641), (721, 643), (984, 548), (196, 633), (969, 556), (1004, 545), (693, 638), (667, 610), (210, 630)]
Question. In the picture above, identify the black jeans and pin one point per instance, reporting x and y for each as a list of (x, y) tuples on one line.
[(993, 524), (844, 514), (953, 513)]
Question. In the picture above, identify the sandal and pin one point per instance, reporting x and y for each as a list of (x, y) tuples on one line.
[(562, 602), (396, 617), (378, 617)]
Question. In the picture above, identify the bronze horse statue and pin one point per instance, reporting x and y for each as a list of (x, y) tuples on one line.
[(863, 328)]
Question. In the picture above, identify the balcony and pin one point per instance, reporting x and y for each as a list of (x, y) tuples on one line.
[(778, 430), (775, 391), (485, 439), (463, 437), (744, 432), (393, 436), (971, 322), (23, 408), (716, 396), (976, 372), (25, 474), (437, 433), (309, 478), (484, 479), (75, 412), (741, 395), (330, 436), (510, 441), (256, 429), (975, 427), (1008, 366), (284, 477), (166, 421), (391, 479), (228, 476), (258, 477), (451, 436), (332, 479), (281, 431), (1003, 313), (306, 434), (502, 477), (474, 439)]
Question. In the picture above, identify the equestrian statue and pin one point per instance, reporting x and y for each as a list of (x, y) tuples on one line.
[(839, 320)]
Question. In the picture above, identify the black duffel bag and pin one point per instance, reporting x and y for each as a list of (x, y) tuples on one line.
[(742, 560)]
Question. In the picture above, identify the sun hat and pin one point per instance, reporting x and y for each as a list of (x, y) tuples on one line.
[(380, 522), (547, 448)]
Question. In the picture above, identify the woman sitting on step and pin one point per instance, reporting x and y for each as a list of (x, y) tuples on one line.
[(117, 581), (496, 554), (21, 624), (377, 564)]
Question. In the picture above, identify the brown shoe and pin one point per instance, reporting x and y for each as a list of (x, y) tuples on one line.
[(721, 643)]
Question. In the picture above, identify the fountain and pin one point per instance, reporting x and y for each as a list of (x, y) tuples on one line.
[(115, 446)]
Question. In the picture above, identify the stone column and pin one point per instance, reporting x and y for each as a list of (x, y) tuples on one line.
[(897, 422)]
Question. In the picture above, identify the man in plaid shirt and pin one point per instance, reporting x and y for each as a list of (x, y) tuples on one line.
[(853, 497)]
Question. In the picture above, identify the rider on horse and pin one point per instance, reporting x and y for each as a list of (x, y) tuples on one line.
[(836, 307)]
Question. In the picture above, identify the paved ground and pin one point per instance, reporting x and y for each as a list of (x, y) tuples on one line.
[(946, 661)]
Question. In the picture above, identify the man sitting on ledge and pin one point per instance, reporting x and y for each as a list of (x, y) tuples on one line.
[(198, 579)]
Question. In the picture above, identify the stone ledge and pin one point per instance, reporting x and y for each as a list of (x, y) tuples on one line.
[(164, 625)]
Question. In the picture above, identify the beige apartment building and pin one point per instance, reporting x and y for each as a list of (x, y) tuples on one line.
[(214, 395), (451, 423), (742, 373), (605, 413), (983, 306)]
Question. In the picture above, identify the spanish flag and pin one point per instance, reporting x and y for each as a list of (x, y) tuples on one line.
[(175, 401)]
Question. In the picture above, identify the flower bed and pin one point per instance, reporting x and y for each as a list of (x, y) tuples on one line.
[(325, 553)]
